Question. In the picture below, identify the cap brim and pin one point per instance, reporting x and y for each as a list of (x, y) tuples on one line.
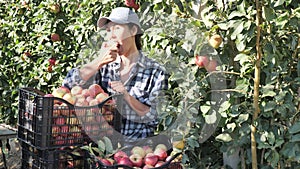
[(103, 21)]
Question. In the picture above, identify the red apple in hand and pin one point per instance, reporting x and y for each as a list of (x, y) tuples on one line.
[(136, 160), (151, 159)]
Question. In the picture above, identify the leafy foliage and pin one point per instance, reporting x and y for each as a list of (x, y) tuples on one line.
[(211, 111)]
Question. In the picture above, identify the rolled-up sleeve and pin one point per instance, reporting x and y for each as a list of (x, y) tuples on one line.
[(73, 78)]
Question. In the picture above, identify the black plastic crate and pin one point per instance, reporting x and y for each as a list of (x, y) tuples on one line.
[(45, 124), (60, 158)]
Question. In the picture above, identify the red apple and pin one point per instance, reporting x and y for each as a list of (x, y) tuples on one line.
[(148, 166), (212, 65), (95, 89), (55, 37), (56, 110), (101, 97), (69, 98), (85, 92), (136, 159), (151, 159), (64, 130), (93, 102), (201, 61), (119, 155), (161, 154), (60, 121), (55, 131), (147, 149), (59, 140), (76, 90), (106, 162), (138, 150), (64, 109), (159, 164), (75, 131), (125, 161)]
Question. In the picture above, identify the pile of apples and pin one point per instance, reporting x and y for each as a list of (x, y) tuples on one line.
[(143, 157), (78, 96), (70, 125)]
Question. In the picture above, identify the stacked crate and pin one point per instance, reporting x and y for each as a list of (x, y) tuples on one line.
[(49, 128)]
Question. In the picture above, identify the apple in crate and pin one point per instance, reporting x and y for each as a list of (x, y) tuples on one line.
[(136, 159), (102, 96), (161, 153), (76, 90), (69, 98), (138, 150), (151, 159), (125, 161), (119, 155), (60, 91), (95, 89)]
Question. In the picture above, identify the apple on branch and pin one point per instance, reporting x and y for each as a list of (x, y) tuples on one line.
[(215, 41)]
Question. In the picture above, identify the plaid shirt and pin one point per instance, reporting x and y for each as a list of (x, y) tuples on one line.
[(146, 82)]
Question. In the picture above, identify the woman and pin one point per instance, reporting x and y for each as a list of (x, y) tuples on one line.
[(123, 68)]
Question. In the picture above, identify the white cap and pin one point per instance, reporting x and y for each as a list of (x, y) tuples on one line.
[(120, 15)]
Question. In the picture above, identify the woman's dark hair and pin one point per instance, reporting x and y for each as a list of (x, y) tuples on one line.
[(138, 36)]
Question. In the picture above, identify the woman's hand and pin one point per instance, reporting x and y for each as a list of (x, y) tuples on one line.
[(108, 53), (119, 87)]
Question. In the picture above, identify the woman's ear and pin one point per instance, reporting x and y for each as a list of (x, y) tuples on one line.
[(134, 30)]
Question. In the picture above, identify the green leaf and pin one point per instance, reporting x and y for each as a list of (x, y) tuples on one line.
[(108, 145), (294, 128), (225, 137), (101, 146), (295, 138), (279, 2)]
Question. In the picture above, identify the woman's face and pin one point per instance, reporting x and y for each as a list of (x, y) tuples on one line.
[(121, 35)]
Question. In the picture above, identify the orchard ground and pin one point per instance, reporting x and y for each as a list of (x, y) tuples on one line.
[(13, 157)]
